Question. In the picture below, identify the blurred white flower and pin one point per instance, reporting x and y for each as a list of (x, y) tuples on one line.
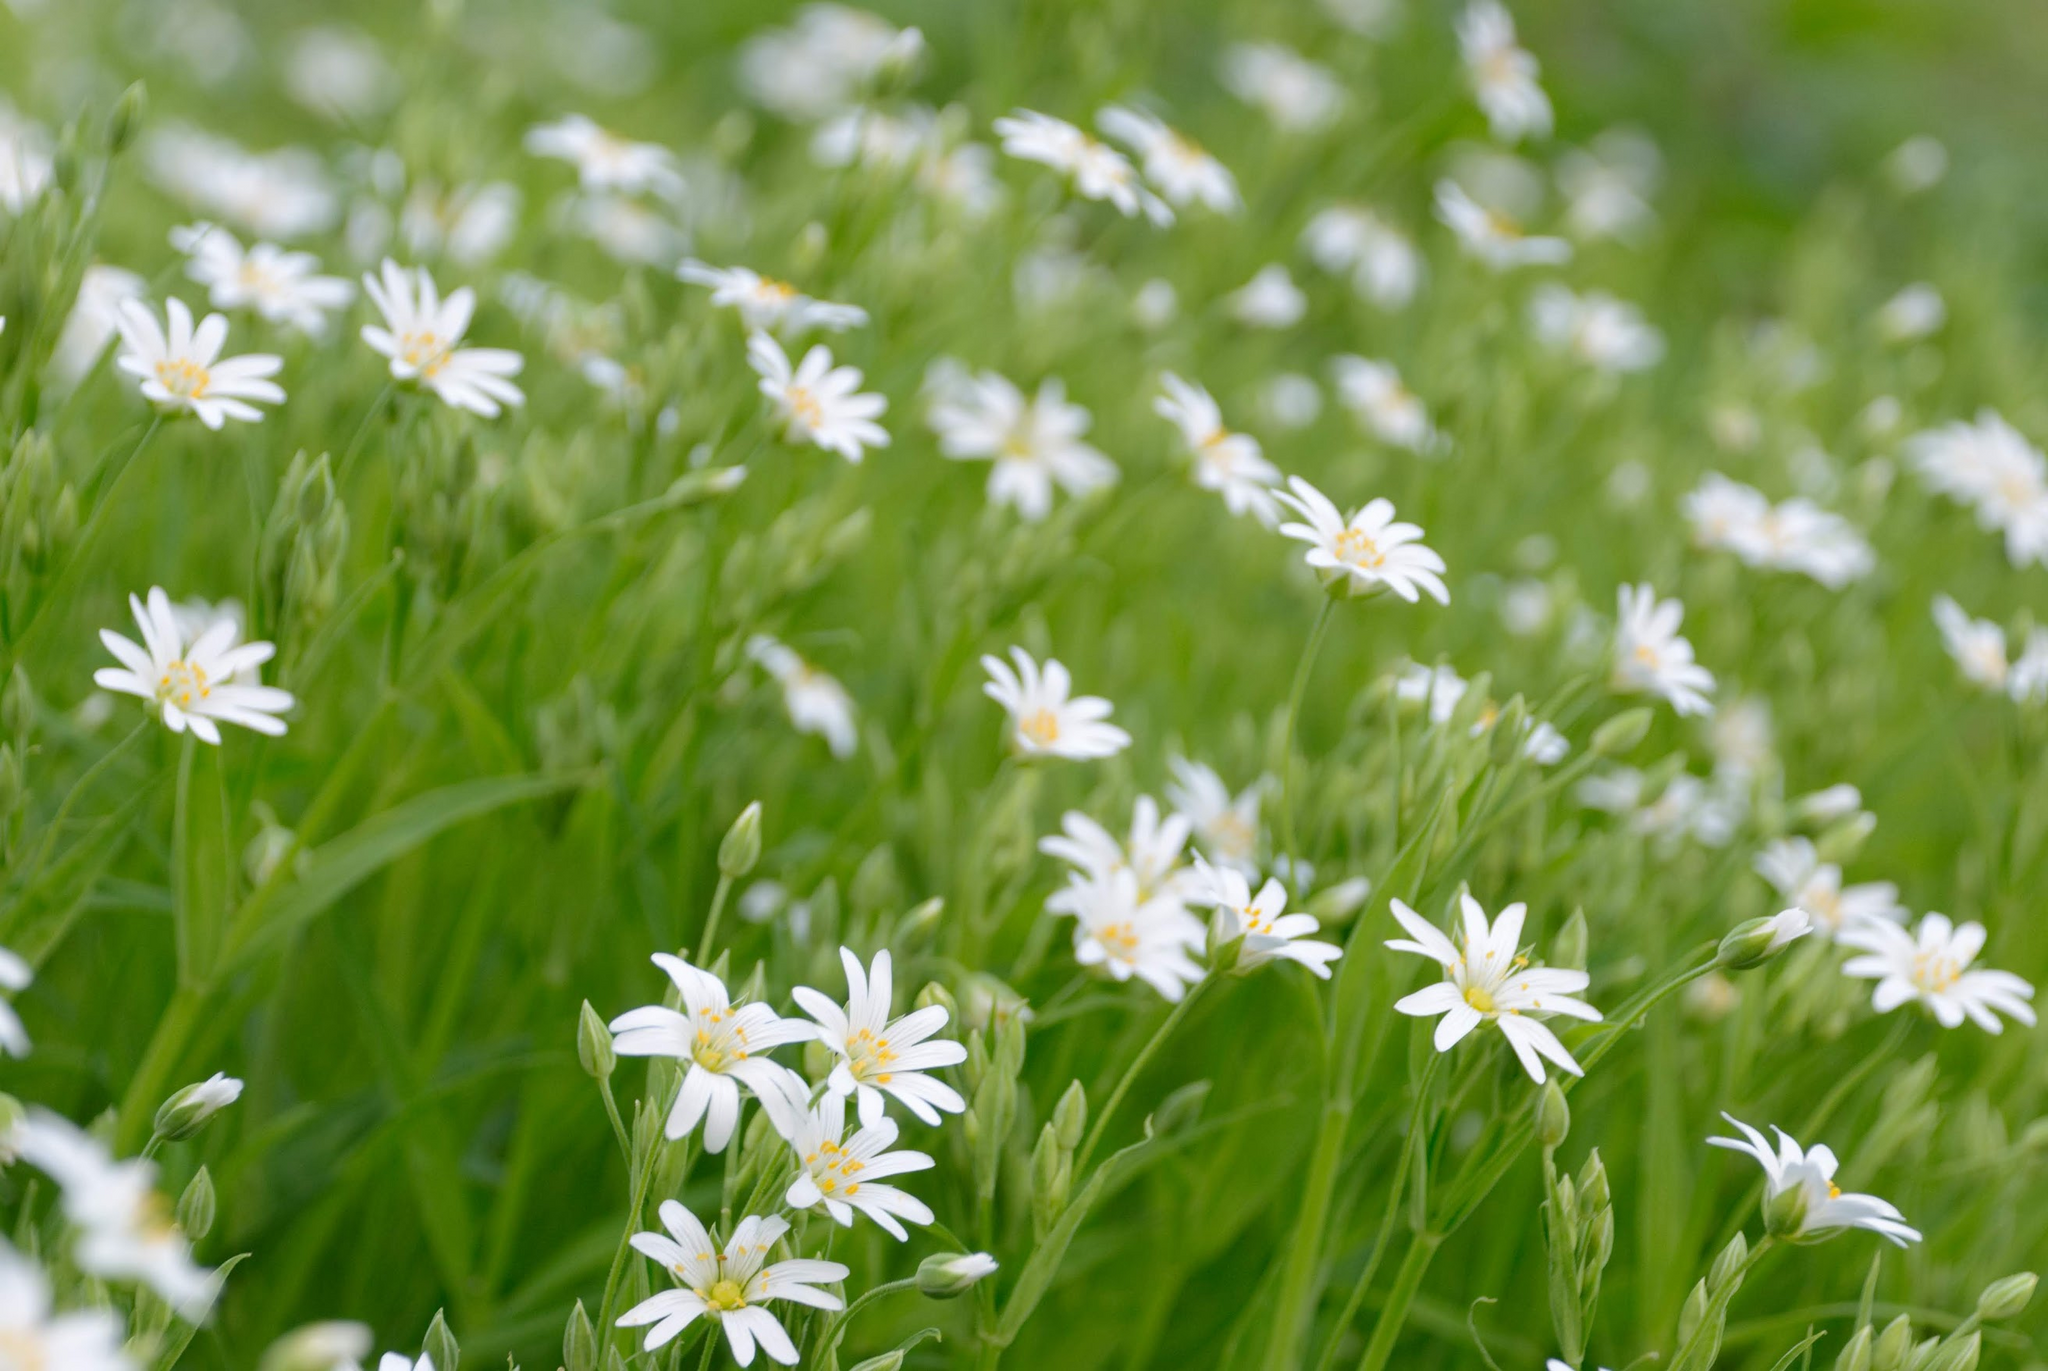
[(1438, 688), (817, 402), (182, 371), (284, 287), (1990, 466), (1226, 827), (816, 703), (1374, 392), (339, 73), (1979, 648), (1649, 654), (24, 160), (824, 61), (1605, 333), (1607, 186), (1368, 552), (1491, 235), (1184, 173), (1916, 165), (16, 975), (1231, 464), (467, 224), (94, 321), (1043, 719), (1269, 300), (1298, 95), (34, 1336), (1291, 400), (1149, 939), (1383, 264), (766, 303), (1035, 443), (278, 195), (1795, 535), (1932, 963), (604, 161), (1503, 75), (191, 680), (879, 1055), (729, 1283), (1914, 313), (1097, 170)]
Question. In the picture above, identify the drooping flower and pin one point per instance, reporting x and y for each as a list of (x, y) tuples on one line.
[(1269, 931), (1487, 979), (1128, 936), (1650, 656), (723, 1045), (766, 303), (193, 680), (181, 368), (1932, 964), (1503, 74), (1034, 443), (1368, 552), (1185, 173), (842, 1175), (731, 1283), (422, 336), (1043, 719), (1796, 872), (605, 161), (1822, 1208), (282, 286), (34, 1336), (817, 402), (1225, 826), (1097, 170), (879, 1055), (1231, 464), (816, 703)]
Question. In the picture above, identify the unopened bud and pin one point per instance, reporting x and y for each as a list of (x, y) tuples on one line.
[(742, 845), (1964, 1355), (888, 1361), (1756, 941), (1892, 1345), (1553, 1116), (948, 1274), (936, 994), (1593, 1182), (440, 1344), (579, 1342), (1070, 1117), (1785, 1213), (2006, 1298), (196, 1206), (319, 1347), (1225, 941), (1622, 733), (186, 1112), (1728, 1262), (594, 1044), (17, 704), (127, 118), (1856, 1352)]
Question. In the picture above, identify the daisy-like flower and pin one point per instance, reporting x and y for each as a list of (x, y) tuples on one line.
[(879, 1055), (1226, 826), (1044, 721), (724, 1045), (181, 368), (1980, 648), (1595, 328), (193, 680), (1487, 979), (284, 287), (816, 703), (1269, 931), (822, 61), (766, 303), (1269, 300), (1231, 464), (1184, 172), (1914, 313), (1439, 687), (125, 1227), (1098, 171), (1796, 872), (1607, 186), (1298, 95), (840, 1174), (1932, 964), (1384, 266), (1366, 553), (817, 402), (605, 161), (1152, 854), (33, 1335), (1990, 466), (1795, 535), (1650, 656), (1373, 392), (1127, 936), (422, 333), (1503, 74), (1034, 443), (1491, 235), (1822, 1209), (15, 976), (731, 1283), (467, 224)]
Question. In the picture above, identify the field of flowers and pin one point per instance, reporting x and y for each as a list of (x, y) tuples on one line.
[(1044, 683)]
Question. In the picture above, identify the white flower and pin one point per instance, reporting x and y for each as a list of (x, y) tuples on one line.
[(422, 335), (724, 1046), (327, 1345), (467, 224), (1373, 391), (841, 1174), (1917, 164), (1991, 466), (1795, 535), (1607, 186), (766, 303), (605, 161), (1542, 743), (1043, 720), (729, 1283), (1914, 313), (398, 1361), (816, 703), (340, 74), (1796, 872), (1152, 854), (818, 403), (1438, 687), (1231, 464), (1503, 75), (24, 161), (194, 681), (1650, 656), (1366, 553), (1226, 827), (1979, 648), (1269, 300), (1098, 171), (1291, 400), (1268, 930), (187, 1111), (94, 321), (1595, 328), (33, 1336), (284, 287), (1826, 1210), (820, 63), (1034, 443), (124, 1226), (278, 195), (1931, 964), (1298, 95), (15, 976), (879, 1055), (1491, 235), (1488, 980), (1385, 268), (1128, 936), (1786, 927), (181, 368), (1183, 171)]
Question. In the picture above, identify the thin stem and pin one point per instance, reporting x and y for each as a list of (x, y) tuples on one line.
[(181, 877), (1294, 694), (1395, 1312), (1306, 1245), (1123, 1086), (611, 1109), (703, 953)]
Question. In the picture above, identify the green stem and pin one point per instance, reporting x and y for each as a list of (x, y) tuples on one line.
[(1305, 1247), (642, 1178), (1395, 1312), (1294, 695), (1717, 1312), (703, 953), (834, 1329), (1123, 1086), (181, 879)]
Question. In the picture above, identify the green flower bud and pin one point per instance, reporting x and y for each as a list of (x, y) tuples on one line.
[(888, 1361), (440, 1344), (1070, 1117), (1964, 1355), (579, 1342), (936, 994), (127, 118), (594, 1044), (1856, 1352), (2005, 1299), (188, 1111), (949, 1274), (742, 845), (1785, 1213), (1756, 941), (1691, 1312), (1225, 942), (17, 704), (1892, 1345), (196, 1206), (1729, 1262), (319, 1347), (1622, 733), (1593, 1182), (1553, 1116)]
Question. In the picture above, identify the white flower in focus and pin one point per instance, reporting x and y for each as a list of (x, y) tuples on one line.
[(16, 975), (818, 403), (605, 161), (840, 1174), (1649, 655), (1796, 872), (1366, 553), (1914, 313), (1098, 171), (1488, 980), (1269, 931), (284, 287), (879, 1055), (723, 1045), (422, 336), (1152, 855), (766, 303), (1298, 95), (1034, 443), (1503, 75), (1269, 300), (1126, 936), (816, 703), (1043, 720), (1595, 328), (33, 1336), (1184, 172), (1374, 392), (1491, 235), (192, 681), (1231, 464), (1826, 1209), (1384, 266), (181, 368), (729, 1283), (1931, 963), (1226, 827)]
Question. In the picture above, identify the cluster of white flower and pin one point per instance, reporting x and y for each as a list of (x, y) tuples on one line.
[(1793, 535)]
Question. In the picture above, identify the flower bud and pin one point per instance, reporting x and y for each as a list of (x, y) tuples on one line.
[(925, 913), (1593, 1182), (196, 1206), (2005, 1299), (1892, 1345), (319, 1347), (888, 1361), (1336, 903), (1225, 941), (1728, 1262), (1622, 733), (594, 1045), (186, 1112), (17, 704), (127, 118), (1070, 1117), (1756, 941), (1568, 948), (1691, 1312), (1856, 1352), (1553, 1116), (440, 1344), (936, 994), (1785, 1213), (1963, 1356), (579, 1342), (948, 1274), (742, 845)]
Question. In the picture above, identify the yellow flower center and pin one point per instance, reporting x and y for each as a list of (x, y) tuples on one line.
[(1120, 940), (719, 1042), (726, 1295), (22, 1351), (1040, 727), (181, 684), (1935, 972), (805, 408), (867, 1055), (1357, 547), (1834, 1191), (424, 350), (183, 378), (1479, 998)]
